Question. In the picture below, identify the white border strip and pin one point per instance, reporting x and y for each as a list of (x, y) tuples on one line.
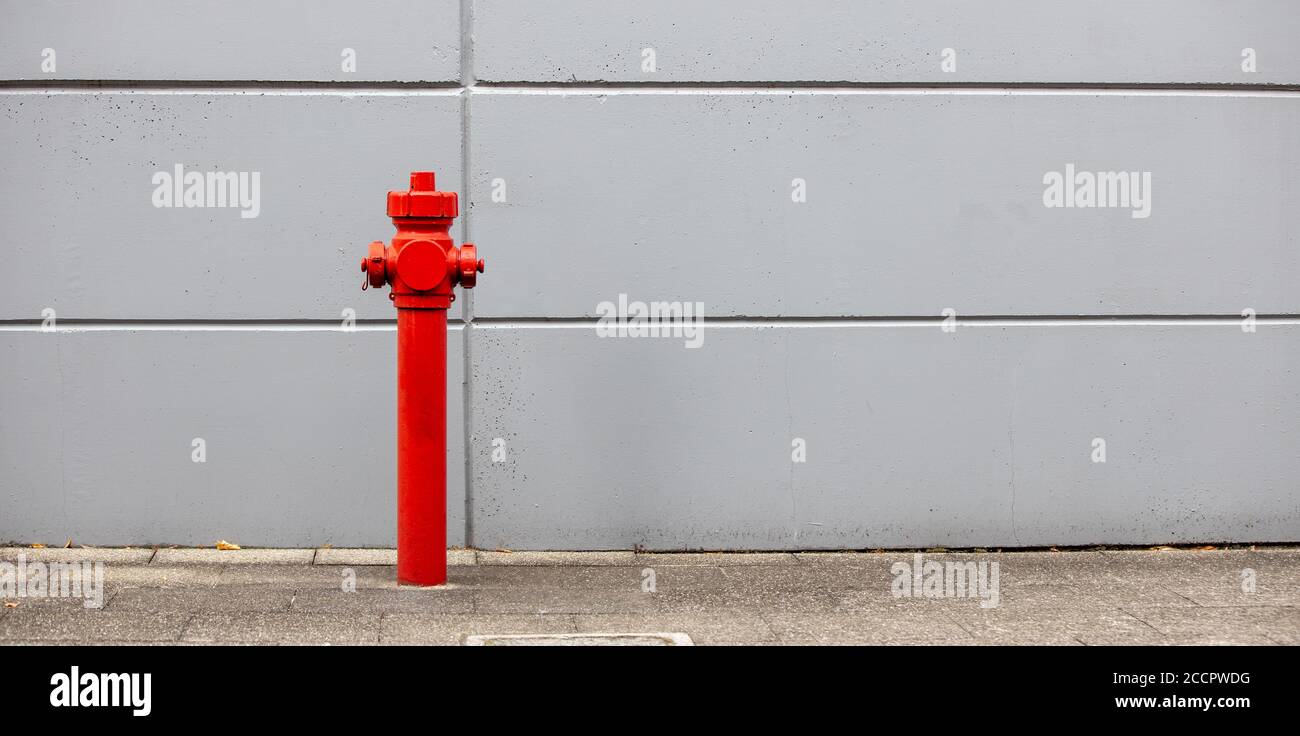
[(672, 639)]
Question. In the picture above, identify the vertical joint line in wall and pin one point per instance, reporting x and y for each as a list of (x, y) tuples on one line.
[(467, 306), (467, 78)]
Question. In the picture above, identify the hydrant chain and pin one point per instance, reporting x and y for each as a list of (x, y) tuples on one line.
[(422, 266)]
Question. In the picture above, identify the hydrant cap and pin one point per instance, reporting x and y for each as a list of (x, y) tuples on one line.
[(423, 199)]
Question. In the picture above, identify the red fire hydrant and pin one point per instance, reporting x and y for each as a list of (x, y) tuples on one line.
[(422, 265)]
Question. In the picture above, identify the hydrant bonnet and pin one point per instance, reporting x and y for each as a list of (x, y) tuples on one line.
[(423, 199)]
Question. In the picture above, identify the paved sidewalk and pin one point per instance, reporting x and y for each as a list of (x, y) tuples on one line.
[(299, 597)]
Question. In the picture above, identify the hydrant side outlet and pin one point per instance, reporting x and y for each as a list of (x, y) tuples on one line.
[(422, 265)]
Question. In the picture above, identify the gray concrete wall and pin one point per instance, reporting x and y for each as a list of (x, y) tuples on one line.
[(656, 150)]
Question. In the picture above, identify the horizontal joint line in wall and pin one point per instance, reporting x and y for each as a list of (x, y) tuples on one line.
[(917, 321), (388, 325), (196, 325), (600, 87), (250, 84), (207, 88), (610, 88)]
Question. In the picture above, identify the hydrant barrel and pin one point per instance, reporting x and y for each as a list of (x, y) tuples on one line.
[(422, 446), (421, 265)]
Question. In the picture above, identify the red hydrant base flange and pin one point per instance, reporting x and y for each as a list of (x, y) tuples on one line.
[(422, 265)]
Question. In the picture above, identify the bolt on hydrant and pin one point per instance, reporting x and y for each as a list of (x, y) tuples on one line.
[(422, 265)]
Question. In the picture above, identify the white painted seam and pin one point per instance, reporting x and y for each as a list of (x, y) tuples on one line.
[(927, 323), (182, 327), (600, 91), (712, 324), (632, 89), (242, 91)]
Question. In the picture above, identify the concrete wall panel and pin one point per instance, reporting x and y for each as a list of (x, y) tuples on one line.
[(96, 441), (79, 176), (914, 437), (915, 202), (253, 40), (887, 41)]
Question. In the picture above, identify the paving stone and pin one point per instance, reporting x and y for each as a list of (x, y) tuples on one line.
[(1122, 637), (108, 555), (207, 556), (729, 559), (220, 599), (333, 556), (840, 579), (1085, 568), (555, 558), (782, 588), (402, 628), (669, 578), (1036, 640), (459, 557), (1036, 579), (1287, 637), (1028, 568), (1016, 596), (119, 576), (743, 628), (727, 601), (1039, 596), (1225, 587), (866, 565), (284, 628), (1174, 564), (863, 628), (1119, 592), (840, 558), (308, 576), (612, 577), (25, 603), (107, 643), (562, 600), (494, 576), (1225, 639), (839, 586), (1277, 623), (80, 625), (406, 600), (654, 639), (1057, 627), (853, 601)]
